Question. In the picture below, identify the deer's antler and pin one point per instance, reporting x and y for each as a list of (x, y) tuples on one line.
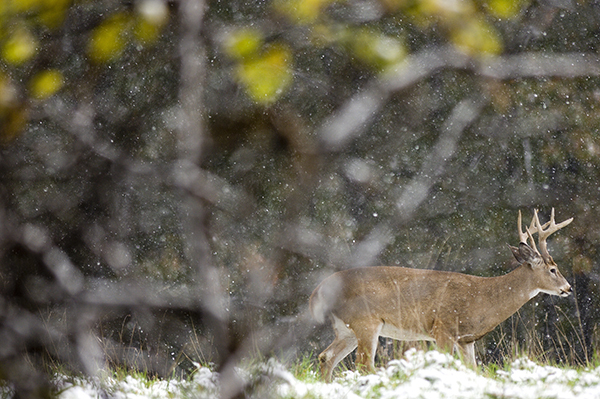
[(529, 231), (550, 227)]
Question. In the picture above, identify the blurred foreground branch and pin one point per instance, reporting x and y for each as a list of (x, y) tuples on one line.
[(417, 190), (349, 121), (191, 132)]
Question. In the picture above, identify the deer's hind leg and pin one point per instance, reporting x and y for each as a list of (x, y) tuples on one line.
[(345, 342), (468, 353)]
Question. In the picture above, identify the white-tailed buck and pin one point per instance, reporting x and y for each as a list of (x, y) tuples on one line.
[(452, 309)]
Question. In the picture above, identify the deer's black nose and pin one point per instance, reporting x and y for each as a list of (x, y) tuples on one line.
[(567, 291)]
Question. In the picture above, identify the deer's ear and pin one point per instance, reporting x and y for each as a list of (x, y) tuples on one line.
[(529, 255), (517, 254)]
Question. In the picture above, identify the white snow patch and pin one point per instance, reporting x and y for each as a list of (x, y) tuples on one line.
[(419, 375)]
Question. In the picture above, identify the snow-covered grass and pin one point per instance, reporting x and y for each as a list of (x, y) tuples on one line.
[(203, 384), (418, 374)]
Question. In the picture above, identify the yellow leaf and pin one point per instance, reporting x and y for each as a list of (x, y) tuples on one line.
[(476, 37), (23, 6), (376, 49), (243, 43), (302, 11), (46, 83), (53, 12), (266, 77), (505, 8), (152, 15), (107, 41), (19, 47), (146, 32)]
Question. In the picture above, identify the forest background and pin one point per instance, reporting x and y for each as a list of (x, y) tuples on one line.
[(177, 176)]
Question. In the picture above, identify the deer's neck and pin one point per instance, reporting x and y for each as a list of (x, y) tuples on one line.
[(496, 299), (522, 281), (512, 291)]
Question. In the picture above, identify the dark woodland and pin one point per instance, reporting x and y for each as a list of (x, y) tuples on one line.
[(176, 177)]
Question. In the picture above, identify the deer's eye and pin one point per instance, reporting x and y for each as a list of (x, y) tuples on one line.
[(553, 271)]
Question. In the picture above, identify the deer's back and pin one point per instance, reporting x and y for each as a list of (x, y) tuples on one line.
[(388, 292)]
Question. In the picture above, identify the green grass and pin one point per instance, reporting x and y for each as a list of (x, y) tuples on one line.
[(306, 368), (262, 376)]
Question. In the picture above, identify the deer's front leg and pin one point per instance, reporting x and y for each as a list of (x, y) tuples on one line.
[(367, 335)]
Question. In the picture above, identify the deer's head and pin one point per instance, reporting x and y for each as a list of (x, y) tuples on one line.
[(548, 277)]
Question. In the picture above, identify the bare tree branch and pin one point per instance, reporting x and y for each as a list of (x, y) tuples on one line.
[(212, 299), (416, 191), (192, 74), (348, 122), (433, 167), (191, 131), (533, 65)]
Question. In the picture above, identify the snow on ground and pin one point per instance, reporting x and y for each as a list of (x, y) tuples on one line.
[(423, 375)]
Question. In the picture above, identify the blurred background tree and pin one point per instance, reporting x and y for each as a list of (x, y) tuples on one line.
[(177, 176)]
